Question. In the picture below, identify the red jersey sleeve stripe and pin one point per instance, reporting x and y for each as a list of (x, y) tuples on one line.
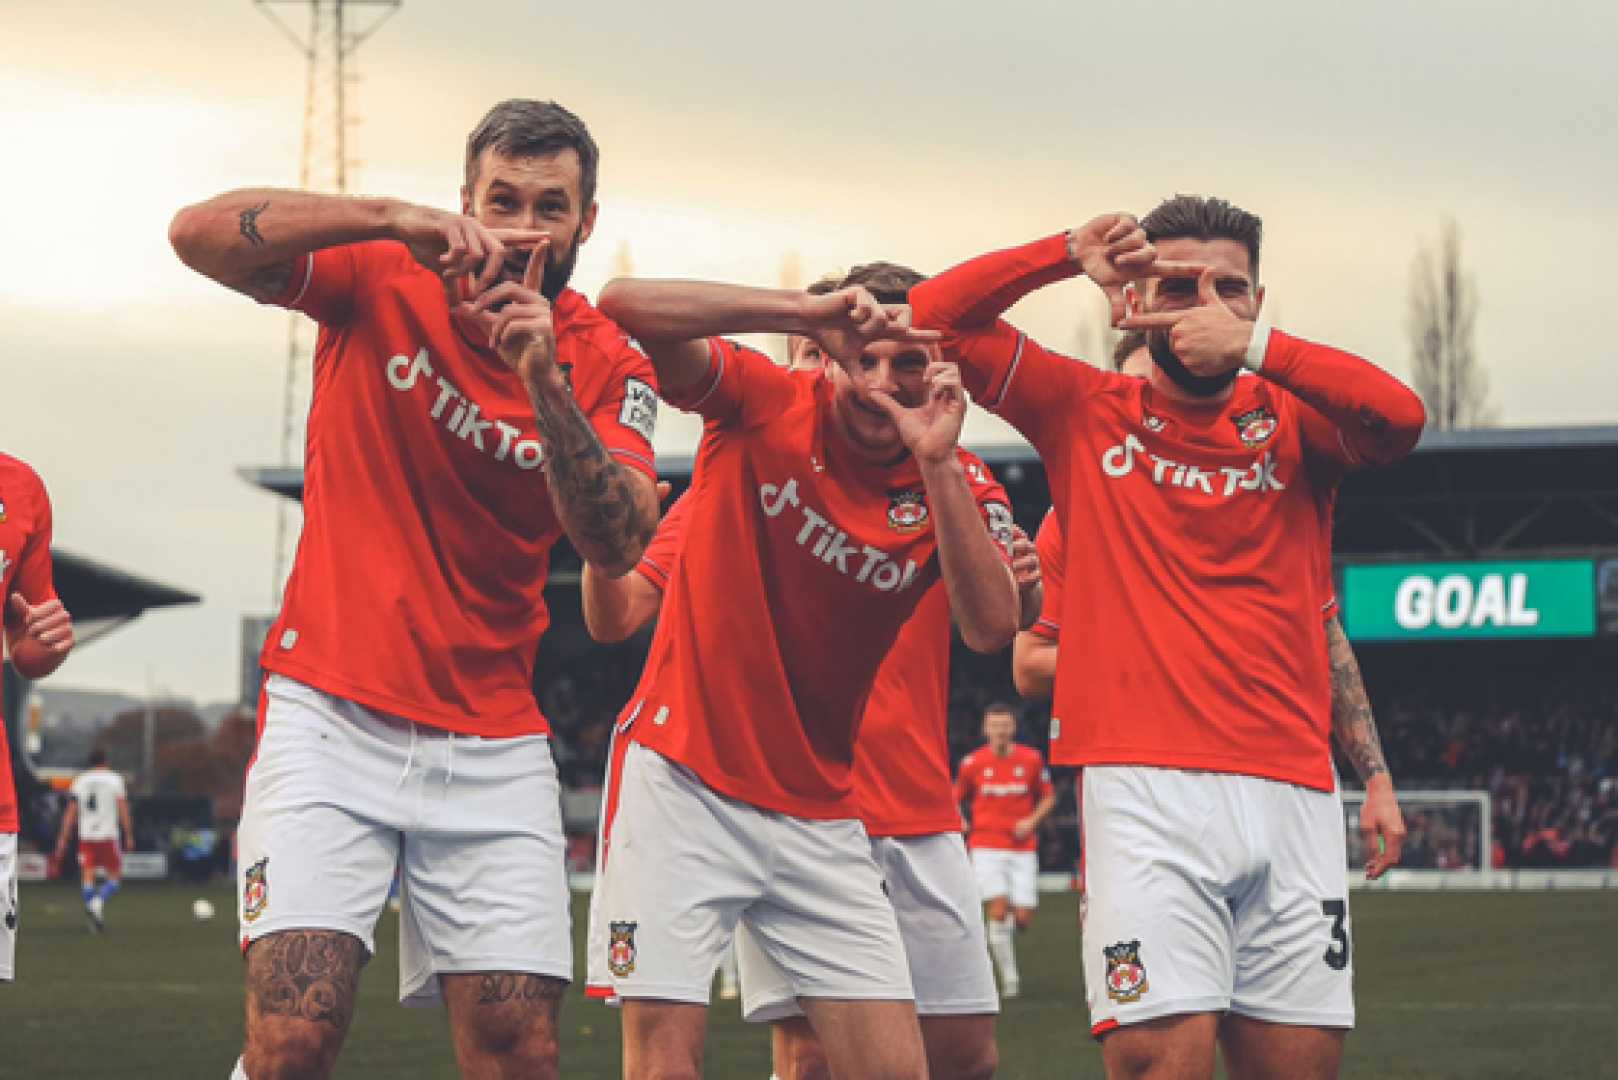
[(998, 394), (652, 572), (640, 460), (1047, 628), (716, 374)]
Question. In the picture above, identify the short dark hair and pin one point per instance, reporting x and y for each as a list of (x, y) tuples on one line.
[(1132, 340), (1205, 217), (828, 284), (889, 282), (1000, 707), (98, 757), (523, 128)]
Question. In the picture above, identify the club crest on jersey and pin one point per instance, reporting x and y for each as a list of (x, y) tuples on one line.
[(2, 509), (1255, 427), (1126, 975), (1154, 423), (256, 889), (907, 511), (621, 949)]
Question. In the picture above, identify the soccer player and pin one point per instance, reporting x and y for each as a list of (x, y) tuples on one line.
[(1008, 789), (822, 511), (901, 781), (99, 803), (38, 637), (469, 409), (1193, 685)]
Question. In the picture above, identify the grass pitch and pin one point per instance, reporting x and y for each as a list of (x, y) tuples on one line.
[(1448, 985)]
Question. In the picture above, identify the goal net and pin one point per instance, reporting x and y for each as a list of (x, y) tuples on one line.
[(1448, 832)]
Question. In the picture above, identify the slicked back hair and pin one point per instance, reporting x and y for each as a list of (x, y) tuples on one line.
[(828, 284), (1206, 217), (523, 128), (889, 282), (1132, 340)]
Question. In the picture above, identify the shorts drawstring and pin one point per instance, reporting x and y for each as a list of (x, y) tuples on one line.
[(449, 760)]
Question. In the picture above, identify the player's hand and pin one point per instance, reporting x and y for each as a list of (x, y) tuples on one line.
[(460, 249), (1023, 828), (1209, 339), (846, 321), (1113, 251), (518, 322), (47, 625), (1382, 826), (53, 867), (1024, 561), (931, 430)]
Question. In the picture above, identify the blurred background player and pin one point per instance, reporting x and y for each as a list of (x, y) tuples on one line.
[(38, 637), (469, 409), (822, 511), (98, 804), (1193, 684), (1008, 791), (901, 779)]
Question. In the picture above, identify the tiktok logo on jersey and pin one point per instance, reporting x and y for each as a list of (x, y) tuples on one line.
[(1119, 461), (464, 420), (826, 542)]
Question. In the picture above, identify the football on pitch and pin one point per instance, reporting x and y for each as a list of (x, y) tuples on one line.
[(201, 909)]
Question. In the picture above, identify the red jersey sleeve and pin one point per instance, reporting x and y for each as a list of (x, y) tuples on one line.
[(743, 388), (657, 561), (965, 781), (1354, 413), (33, 579), (993, 502), (1003, 369), (325, 282), (625, 414), (1041, 785), (1053, 574)]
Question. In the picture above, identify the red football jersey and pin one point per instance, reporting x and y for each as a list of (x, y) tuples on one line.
[(25, 567), (419, 583), (1192, 635), (1052, 551), (901, 755), (800, 563), (1002, 791)]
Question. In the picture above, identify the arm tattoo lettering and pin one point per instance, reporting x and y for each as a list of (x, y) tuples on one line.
[(594, 495), (1351, 718), (249, 224), (497, 988), (306, 974)]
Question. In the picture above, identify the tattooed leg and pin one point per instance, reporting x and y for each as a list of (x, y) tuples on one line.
[(504, 1023), (302, 986)]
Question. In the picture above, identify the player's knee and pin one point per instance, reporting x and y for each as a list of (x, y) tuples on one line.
[(531, 1049), (801, 1059), (300, 1051), (968, 1063)]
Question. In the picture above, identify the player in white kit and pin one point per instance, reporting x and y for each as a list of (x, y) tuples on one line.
[(99, 804)]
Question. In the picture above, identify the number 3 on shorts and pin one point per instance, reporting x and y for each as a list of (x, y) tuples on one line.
[(1337, 956)]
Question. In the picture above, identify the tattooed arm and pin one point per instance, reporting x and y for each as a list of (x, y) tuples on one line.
[(1381, 822), (254, 239)]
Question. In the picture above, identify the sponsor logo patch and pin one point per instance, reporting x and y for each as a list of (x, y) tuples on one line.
[(639, 410), (256, 889), (621, 949), (907, 511), (1126, 974), (1255, 427)]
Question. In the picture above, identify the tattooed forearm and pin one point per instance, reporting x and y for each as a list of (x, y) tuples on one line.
[(306, 974), (499, 988), (595, 496), (249, 224), (1351, 718)]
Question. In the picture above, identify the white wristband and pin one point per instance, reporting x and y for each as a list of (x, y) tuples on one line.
[(1257, 346)]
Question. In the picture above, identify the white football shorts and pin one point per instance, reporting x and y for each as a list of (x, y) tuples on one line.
[(930, 884), (1012, 874), (686, 865), (339, 797), (1208, 892), (9, 914)]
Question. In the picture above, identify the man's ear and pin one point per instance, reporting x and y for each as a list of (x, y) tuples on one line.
[(1132, 301), (587, 224)]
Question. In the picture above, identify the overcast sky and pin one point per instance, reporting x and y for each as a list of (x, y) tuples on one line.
[(733, 134)]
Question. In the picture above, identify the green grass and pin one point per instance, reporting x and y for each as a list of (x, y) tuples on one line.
[(1449, 985)]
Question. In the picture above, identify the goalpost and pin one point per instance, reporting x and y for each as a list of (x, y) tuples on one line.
[(1449, 841)]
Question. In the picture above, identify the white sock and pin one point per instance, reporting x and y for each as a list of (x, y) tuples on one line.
[(1003, 950), (239, 1072)]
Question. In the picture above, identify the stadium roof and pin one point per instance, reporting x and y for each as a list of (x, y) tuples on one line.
[(102, 597), (1461, 494)]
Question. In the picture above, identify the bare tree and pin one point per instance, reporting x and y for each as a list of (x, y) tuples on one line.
[(1443, 312)]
